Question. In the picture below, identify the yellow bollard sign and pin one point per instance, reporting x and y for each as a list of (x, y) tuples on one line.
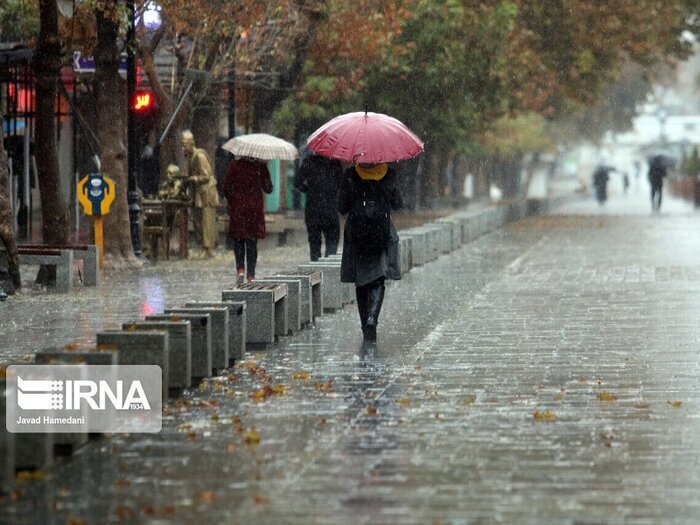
[(96, 194)]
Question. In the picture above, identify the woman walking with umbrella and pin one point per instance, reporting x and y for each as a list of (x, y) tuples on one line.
[(246, 180), (368, 194)]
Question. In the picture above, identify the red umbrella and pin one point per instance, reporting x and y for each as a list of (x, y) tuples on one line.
[(365, 137)]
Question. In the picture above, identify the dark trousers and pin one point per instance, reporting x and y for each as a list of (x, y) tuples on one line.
[(656, 197), (246, 248), (319, 227)]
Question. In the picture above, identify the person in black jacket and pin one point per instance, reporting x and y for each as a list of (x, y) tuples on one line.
[(657, 172), (365, 263), (319, 178)]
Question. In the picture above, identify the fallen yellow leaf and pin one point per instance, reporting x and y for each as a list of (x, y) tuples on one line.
[(372, 411), (260, 500), (71, 346), (301, 376), (206, 497), (642, 405), (607, 396), (251, 437), (121, 483), (675, 404), (469, 400), (230, 448), (404, 401), (324, 387), (544, 416)]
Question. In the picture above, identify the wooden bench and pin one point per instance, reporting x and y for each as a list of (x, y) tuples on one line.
[(139, 347), (294, 300), (88, 253), (62, 260), (266, 306), (333, 293), (311, 292), (236, 329), (219, 321), (200, 354)]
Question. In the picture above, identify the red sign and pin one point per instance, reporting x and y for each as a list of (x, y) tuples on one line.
[(143, 101)]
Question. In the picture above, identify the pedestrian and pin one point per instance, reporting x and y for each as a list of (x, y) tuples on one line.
[(368, 193), (657, 172), (244, 183), (319, 178), (200, 176), (600, 183), (625, 182)]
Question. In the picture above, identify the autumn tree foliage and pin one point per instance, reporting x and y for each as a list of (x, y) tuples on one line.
[(455, 69)]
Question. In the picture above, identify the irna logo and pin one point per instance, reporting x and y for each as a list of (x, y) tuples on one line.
[(77, 394)]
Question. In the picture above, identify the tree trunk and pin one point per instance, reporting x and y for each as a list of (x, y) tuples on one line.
[(205, 123), (111, 103), (168, 150), (431, 179), (7, 229), (267, 100), (54, 210)]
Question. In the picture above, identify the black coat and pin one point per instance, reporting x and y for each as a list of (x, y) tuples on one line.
[(320, 178), (657, 172), (364, 268)]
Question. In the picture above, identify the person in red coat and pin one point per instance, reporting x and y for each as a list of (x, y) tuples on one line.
[(243, 186)]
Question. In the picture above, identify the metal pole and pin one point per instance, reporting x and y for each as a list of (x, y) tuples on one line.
[(27, 181), (177, 110), (132, 137)]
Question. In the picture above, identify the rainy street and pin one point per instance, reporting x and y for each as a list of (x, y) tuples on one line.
[(544, 373)]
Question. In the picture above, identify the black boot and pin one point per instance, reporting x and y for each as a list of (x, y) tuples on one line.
[(376, 298), (362, 296)]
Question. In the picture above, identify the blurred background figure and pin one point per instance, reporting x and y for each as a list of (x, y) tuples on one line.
[(320, 178), (601, 176), (658, 169)]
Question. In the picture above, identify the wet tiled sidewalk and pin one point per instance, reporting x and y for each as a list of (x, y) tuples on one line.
[(545, 373)]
